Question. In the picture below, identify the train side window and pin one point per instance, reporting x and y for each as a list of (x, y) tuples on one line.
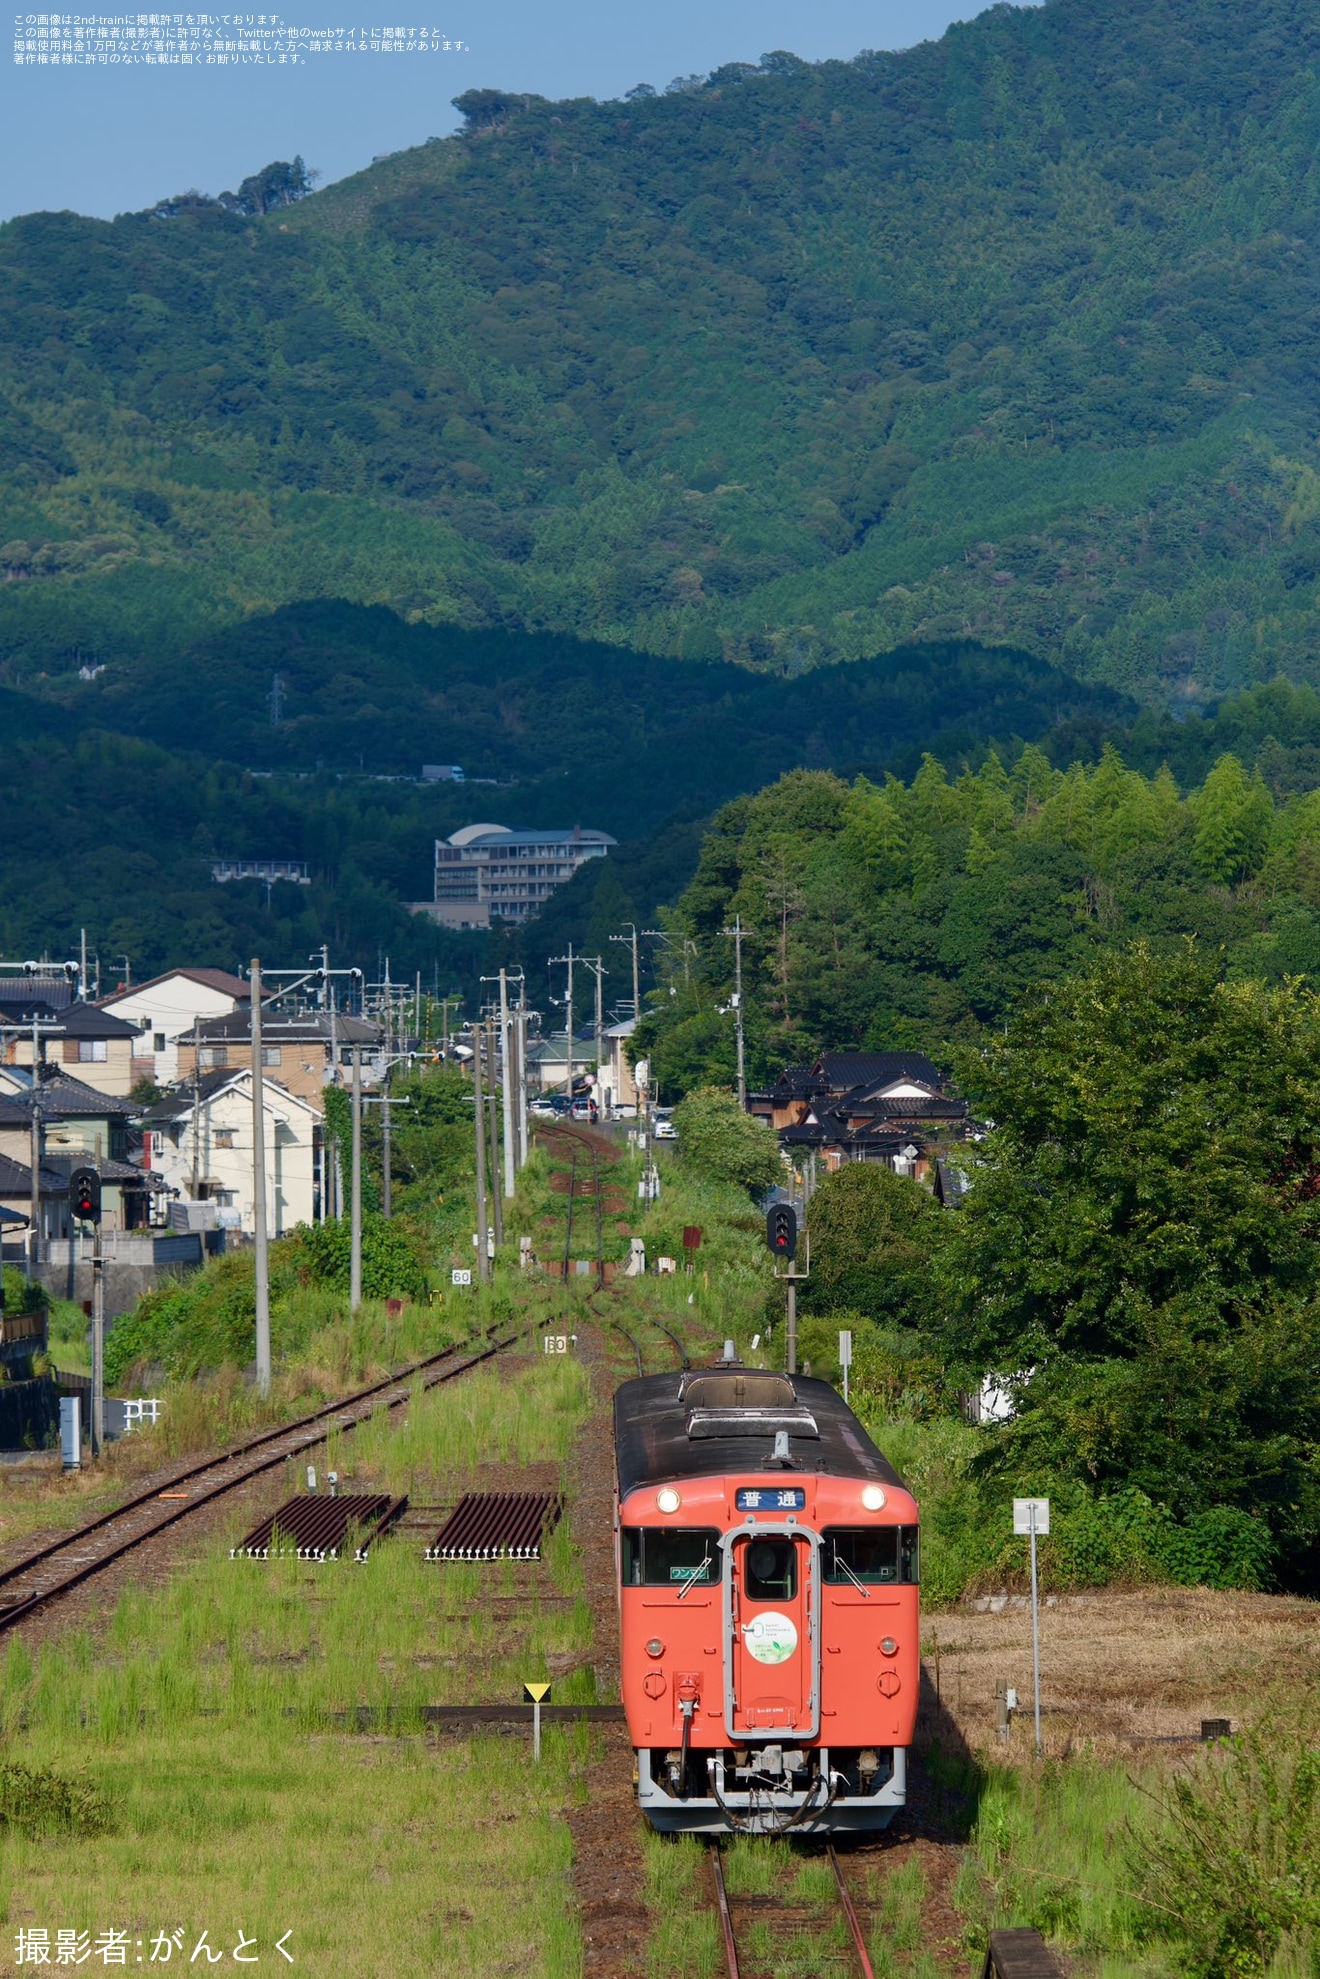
[(771, 1570), (874, 1555), (670, 1556)]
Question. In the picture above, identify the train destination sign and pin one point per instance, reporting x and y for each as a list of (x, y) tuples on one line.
[(771, 1498)]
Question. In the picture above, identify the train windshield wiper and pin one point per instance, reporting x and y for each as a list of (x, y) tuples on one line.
[(839, 1561), (694, 1576)]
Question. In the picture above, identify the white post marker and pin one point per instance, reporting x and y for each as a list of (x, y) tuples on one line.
[(845, 1356), (536, 1695), (1032, 1515)]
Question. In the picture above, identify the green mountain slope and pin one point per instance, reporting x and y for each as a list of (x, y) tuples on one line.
[(1012, 336)]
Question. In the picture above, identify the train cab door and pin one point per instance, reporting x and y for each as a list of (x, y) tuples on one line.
[(772, 1633)]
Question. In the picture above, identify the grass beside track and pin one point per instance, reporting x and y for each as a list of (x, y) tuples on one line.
[(204, 1712)]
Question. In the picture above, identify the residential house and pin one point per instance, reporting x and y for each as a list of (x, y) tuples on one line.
[(890, 1107), (199, 1142), (162, 1010), (16, 1204), (68, 1032), (548, 1062), (76, 1125), (304, 1051)]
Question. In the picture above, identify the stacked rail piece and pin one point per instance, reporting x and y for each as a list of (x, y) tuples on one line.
[(313, 1528), (497, 1525)]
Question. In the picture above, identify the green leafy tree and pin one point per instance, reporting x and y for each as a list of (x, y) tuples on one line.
[(873, 1239), (1139, 1244), (718, 1139)]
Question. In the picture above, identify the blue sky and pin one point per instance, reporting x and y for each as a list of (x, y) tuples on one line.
[(103, 141)]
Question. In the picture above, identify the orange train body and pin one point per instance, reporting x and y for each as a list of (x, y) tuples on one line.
[(768, 1598)]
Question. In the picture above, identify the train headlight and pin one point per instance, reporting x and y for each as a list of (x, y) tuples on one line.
[(889, 1647), (655, 1648), (873, 1498), (667, 1500)]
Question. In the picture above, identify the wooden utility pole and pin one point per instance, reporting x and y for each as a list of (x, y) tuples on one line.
[(262, 1258), (479, 1110)]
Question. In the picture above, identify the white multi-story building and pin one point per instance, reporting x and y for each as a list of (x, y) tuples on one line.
[(486, 873)]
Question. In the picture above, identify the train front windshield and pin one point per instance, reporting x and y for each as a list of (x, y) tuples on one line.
[(874, 1556), (670, 1556)]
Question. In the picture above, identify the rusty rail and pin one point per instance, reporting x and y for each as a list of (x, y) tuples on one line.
[(201, 1484), (726, 1918), (854, 1923), (849, 1911)]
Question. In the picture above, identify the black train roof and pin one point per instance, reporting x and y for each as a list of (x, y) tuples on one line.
[(652, 1442)]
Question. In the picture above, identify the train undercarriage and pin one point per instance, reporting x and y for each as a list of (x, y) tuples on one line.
[(772, 1789)]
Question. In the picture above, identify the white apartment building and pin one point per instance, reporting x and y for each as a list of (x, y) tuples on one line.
[(486, 873)]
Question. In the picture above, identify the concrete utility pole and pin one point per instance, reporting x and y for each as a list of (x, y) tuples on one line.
[(738, 933), (479, 1110), (355, 1206), (497, 1206), (597, 967), (630, 941), (553, 960), (35, 1148), (262, 1259), (386, 1149), (507, 1056), (520, 1046)]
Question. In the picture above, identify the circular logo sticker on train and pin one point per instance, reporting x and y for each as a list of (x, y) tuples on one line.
[(770, 1638)]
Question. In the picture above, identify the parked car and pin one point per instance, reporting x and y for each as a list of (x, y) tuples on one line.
[(585, 1109), (549, 1106), (624, 1109), (662, 1127)]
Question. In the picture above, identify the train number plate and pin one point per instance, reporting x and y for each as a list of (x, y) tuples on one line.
[(771, 1498)]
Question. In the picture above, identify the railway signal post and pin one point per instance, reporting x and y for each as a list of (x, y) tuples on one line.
[(781, 1234), (85, 1202)]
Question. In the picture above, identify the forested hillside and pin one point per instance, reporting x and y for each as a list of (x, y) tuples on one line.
[(919, 913), (1011, 336)]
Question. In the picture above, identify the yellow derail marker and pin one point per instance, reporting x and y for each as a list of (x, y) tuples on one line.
[(536, 1695)]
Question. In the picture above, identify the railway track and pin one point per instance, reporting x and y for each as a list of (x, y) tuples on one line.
[(33, 1583), (857, 1937), (582, 1146)]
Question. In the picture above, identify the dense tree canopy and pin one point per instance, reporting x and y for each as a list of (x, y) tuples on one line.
[(914, 914), (1137, 1254), (1011, 335)]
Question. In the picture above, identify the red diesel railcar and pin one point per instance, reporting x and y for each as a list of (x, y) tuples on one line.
[(767, 1560)]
